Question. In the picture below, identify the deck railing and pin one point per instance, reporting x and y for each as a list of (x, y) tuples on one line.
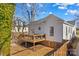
[(32, 37)]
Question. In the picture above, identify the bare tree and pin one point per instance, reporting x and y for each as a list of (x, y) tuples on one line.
[(29, 13), (17, 23), (23, 26)]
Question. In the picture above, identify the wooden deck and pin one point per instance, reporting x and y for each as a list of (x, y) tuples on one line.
[(44, 48), (31, 38)]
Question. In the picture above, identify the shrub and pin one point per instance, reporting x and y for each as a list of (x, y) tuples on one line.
[(6, 15)]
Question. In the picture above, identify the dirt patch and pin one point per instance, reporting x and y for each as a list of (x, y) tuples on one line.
[(40, 50)]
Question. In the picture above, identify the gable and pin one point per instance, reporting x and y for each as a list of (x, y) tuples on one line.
[(50, 17)]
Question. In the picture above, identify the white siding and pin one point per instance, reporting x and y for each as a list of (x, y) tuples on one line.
[(66, 32), (52, 21), (70, 33), (74, 31), (45, 29), (59, 29), (16, 29), (35, 29)]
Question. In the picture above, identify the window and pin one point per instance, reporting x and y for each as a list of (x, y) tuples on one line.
[(51, 31), (66, 31), (39, 28), (69, 30)]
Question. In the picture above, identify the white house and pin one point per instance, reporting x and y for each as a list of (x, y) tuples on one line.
[(16, 29), (19, 23), (55, 28)]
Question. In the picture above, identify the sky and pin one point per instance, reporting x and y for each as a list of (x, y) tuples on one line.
[(65, 11)]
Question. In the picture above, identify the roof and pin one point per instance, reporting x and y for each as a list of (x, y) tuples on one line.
[(51, 15), (71, 22), (44, 19), (67, 23)]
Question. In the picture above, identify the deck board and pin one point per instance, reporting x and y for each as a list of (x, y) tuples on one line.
[(21, 51)]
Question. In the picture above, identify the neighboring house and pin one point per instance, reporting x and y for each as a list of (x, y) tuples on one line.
[(18, 26), (77, 23), (55, 28)]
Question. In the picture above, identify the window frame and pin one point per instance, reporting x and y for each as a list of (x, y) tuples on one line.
[(51, 31), (39, 28)]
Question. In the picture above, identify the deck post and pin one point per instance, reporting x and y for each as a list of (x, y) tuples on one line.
[(49, 43), (45, 36), (25, 44), (34, 43), (34, 46)]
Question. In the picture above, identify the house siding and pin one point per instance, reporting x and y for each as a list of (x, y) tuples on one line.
[(35, 29), (20, 30), (52, 21), (59, 29), (45, 29), (70, 30)]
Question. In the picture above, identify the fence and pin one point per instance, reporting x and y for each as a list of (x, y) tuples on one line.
[(62, 51)]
